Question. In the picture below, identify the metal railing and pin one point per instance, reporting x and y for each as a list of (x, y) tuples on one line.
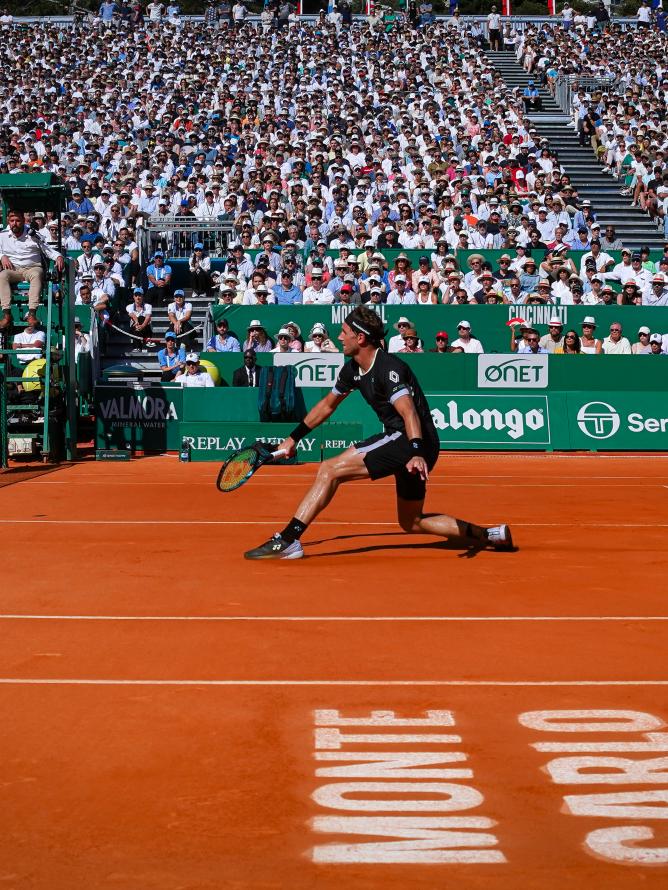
[(177, 235), (565, 85), (520, 22)]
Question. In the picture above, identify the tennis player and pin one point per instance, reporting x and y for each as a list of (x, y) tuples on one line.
[(407, 449)]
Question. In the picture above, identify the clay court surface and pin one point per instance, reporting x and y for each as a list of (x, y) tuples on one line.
[(172, 713)]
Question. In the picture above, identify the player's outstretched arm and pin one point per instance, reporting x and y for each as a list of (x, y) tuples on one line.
[(318, 414)]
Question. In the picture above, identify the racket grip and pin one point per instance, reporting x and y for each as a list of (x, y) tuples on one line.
[(280, 452)]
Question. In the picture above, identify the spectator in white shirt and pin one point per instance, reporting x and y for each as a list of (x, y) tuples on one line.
[(194, 374), (21, 254), (465, 341), (401, 293), (29, 336), (615, 344), (317, 293)]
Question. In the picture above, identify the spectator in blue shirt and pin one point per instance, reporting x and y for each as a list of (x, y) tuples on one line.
[(107, 11), (286, 293), (171, 359), (531, 98), (223, 340), (79, 205), (159, 279)]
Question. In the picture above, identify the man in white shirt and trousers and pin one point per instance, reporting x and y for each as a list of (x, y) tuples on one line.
[(21, 254)]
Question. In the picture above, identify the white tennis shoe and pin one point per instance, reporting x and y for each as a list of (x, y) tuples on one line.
[(499, 537)]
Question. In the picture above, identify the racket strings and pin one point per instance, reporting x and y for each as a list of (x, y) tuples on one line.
[(237, 470)]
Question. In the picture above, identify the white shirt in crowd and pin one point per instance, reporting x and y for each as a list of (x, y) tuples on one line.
[(24, 251), (23, 340), (200, 378), (471, 346)]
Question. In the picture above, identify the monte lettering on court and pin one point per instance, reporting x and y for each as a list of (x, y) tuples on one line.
[(406, 806)]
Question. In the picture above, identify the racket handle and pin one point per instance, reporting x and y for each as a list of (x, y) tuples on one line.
[(281, 452)]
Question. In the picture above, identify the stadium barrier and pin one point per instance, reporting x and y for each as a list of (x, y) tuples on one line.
[(488, 323), (492, 401), (181, 273)]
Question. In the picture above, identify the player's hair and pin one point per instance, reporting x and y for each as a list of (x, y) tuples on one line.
[(365, 321)]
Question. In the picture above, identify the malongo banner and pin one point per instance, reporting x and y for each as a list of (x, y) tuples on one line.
[(491, 421)]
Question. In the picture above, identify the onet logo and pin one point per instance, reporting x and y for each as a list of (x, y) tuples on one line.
[(513, 370), (598, 420), (516, 372)]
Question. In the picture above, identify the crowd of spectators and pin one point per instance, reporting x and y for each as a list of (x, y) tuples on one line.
[(621, 112), (316, 138)]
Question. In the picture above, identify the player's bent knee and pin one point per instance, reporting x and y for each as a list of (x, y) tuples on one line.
[(410, 524)]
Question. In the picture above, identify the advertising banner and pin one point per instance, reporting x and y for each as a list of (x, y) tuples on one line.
[(480, 421), (138, 418), (513, 371), (216, 441), (313, 368), (618, 421)]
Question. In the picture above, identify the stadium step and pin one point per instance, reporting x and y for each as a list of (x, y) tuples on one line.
[(120, 349), (632, 225)]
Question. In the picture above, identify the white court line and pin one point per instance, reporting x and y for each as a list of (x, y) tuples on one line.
[(272, 522), (15, 681), (351, 618), (276, 483)]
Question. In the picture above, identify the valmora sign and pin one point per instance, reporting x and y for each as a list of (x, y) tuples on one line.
[(136, 406), (313, 368)]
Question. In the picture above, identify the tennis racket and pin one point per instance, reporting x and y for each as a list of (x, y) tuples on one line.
[(242, 464)]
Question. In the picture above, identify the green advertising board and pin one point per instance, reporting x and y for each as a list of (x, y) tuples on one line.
[(491, 401), (138, 418), (216, 441), (480, 421), (618, 421)]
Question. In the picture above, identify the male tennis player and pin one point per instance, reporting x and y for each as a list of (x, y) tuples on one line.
[(407, 449)]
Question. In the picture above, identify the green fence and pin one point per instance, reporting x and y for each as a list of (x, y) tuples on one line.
[(489, 323), (498, 402)]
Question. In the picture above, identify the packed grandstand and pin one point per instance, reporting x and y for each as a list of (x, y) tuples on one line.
[(276, 159)]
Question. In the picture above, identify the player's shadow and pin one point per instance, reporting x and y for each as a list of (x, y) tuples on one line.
[(469, 550)]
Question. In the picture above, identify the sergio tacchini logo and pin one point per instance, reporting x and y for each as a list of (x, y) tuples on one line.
[(598, 420)]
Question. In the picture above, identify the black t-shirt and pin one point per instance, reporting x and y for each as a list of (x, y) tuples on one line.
[(388, 379)]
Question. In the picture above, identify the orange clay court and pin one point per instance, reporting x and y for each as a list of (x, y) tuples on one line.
[(389, 712)]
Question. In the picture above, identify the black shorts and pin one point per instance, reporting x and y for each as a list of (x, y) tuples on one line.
[(387, 455)]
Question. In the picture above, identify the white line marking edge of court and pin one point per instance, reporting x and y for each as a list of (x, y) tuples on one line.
[(350, 618), (16, 681), (272, 522)]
